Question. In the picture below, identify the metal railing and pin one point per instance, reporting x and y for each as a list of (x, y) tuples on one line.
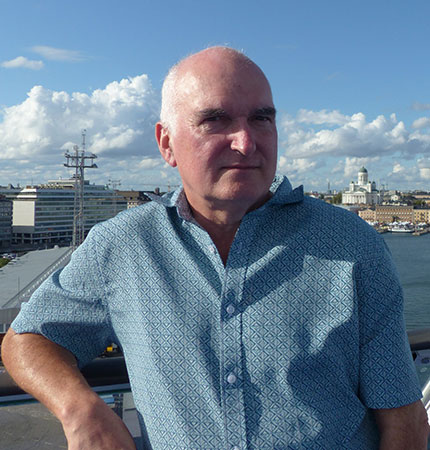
[(108, 377), (109, 374), (104, 375), (26, 291)]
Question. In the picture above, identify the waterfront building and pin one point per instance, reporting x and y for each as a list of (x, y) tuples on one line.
[(394, 213), (44, 214), (421, 195), (422, 215), (368, 215), (362, 192), (5, 222)]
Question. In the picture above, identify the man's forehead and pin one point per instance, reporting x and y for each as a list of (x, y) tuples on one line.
[(205, 91)]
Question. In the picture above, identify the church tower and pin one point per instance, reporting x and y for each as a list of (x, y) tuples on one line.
[(363, 177)]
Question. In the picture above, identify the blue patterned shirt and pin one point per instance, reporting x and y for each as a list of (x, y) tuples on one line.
[(286, 347)]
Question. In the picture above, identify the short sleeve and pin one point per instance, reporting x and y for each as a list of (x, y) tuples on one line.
[(69, 308), (388, 378)]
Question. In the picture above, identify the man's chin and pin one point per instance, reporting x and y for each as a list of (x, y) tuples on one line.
[(246, 196)]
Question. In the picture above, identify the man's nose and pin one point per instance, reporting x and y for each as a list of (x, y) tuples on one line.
[(242, 140)]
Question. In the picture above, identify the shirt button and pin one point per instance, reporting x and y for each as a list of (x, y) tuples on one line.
[(235, 448), (230, 309), (212, 249), (231, 378)]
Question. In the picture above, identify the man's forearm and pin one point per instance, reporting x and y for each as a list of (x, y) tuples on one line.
[(404, 428), (50, 373), (43, 369)]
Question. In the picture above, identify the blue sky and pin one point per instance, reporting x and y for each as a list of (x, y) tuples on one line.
[(351, 82)]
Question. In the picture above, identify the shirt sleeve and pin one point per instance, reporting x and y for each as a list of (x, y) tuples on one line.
[(69, 308), (388, 377)]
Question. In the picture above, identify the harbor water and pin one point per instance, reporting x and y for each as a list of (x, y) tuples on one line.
[(412, 257)]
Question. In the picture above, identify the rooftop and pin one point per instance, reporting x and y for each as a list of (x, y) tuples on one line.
[(25, 270)]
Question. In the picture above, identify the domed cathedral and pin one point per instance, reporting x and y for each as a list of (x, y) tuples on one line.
[(363, 192)]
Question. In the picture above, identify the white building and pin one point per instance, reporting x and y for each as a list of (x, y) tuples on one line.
[(362, 192), (44, 214)]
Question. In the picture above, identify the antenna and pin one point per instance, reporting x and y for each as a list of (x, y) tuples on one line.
[(77, 161)]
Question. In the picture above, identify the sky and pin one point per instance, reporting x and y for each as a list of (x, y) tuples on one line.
[(351, 84)]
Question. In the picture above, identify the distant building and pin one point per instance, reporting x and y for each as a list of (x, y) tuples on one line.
[(5, 222), (421, 195), (10, 192), (368, 215), (44, 214), (363, 192), (394, 213), (19, 280), (422, 215), (135, 198)]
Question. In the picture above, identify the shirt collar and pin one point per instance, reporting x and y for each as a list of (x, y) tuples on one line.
[(281, 189)]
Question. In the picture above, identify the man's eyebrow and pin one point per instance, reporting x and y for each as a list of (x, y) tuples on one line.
[(265, 111), (211, 112)]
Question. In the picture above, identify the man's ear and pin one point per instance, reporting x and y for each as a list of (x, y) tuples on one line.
[(163, 140)]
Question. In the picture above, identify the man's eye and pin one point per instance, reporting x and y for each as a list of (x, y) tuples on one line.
[(263, 118), (212, 119)]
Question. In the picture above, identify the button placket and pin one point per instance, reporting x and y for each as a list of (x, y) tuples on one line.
[(231, 378), (230, 309), (231, 326), (232, 363)]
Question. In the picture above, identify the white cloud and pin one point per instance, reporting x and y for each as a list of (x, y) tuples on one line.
[(398, 168), (322, 117), (352, 136), (119, 120), (300, 165), (352, 165), (151, 163), (333, 146), (22, 62), (58, 54), (425, 173), (422, 122)]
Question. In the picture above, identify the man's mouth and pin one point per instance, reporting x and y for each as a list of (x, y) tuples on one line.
[(240, 167)]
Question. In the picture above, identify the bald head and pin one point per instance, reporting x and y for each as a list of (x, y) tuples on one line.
[(187, 72)]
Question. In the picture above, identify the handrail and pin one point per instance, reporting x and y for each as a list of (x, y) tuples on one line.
[(419, 339), (103, 375), (109, 374), (27, 290)]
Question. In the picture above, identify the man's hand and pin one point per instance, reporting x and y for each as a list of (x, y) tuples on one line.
[(404, 428), (50, 374), (96, 427)]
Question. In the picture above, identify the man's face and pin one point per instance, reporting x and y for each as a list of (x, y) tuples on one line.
[(224, 141)]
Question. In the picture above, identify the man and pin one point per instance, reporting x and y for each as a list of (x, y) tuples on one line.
[(250, 316)]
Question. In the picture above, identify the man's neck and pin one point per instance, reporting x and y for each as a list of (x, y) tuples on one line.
[(221, 228), (221, 220)]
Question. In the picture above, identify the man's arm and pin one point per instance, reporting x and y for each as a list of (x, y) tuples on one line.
[(49, 373), (404, 428)]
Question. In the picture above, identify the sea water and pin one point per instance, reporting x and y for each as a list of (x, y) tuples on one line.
[(412, 257)]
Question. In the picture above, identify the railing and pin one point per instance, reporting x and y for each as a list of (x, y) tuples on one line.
[(26, 291), (108, 377), (110, 373), (104, 375), (419, 341)]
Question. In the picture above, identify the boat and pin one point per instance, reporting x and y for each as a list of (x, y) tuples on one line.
[(402, 227)]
